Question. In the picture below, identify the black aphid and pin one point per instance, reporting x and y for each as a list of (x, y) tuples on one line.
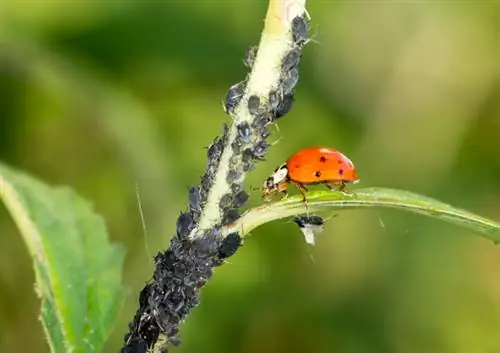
[(229, 245), (304, 221), (290, 80), (194, 199), (215, 150), (248, 166), (260, 150), (240, 199), (309, 226), (233, 175), (244, 131), (230, 216), (273, 100), (291, 60), (300, 29), (225, 201), (235, 188), (233, 96), (184, 224), (236, 146), (253, 104), (285, 105)]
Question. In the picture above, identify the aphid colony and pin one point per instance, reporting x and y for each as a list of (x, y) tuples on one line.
[(183, 269)]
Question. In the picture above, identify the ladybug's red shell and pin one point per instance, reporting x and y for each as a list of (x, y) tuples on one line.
[(316, 165)]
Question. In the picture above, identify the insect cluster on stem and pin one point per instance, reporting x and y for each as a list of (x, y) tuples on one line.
[(184, 268)]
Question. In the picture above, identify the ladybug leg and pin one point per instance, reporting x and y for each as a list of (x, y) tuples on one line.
[(303, 190), (344, 190)]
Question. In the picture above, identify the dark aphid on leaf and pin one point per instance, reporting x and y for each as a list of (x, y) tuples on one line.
[(260, 150), (248, 166), (233, 161), (309, 226), (233, 96), (273, 100), (185, 224), (229, 245), (253, 104), (250, 57), (215, 150), (233, 175), (230, 216), (284, 105), (240, 199), (235, 188), (236, 146), (244, 132), (206, 182), (300, 29), (290, 80), (226, 201), (291, 60), (194, 199)]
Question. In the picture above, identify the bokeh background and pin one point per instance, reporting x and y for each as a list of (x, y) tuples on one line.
[(104, 95)]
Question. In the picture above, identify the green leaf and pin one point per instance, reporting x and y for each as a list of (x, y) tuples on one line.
[(78, 272), (372, 197)]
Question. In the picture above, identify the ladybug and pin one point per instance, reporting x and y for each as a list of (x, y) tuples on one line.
[(313, 165)]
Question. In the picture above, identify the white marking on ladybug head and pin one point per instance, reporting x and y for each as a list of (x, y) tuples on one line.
[(280, 175)]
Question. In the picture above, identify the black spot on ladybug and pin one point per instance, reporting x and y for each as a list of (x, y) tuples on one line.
[(317, 174), (322, 159), (229, 245), (341, 171)]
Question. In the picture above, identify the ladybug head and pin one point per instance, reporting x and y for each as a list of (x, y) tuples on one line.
[(276, 182)]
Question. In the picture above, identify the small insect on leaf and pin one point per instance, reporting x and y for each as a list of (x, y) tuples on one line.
[(284, 105), (229, 245), (184, 224), (309, 226), (300, 29), (233, 96), (290, 80), (244, 131), (291, 60), (253, 104)]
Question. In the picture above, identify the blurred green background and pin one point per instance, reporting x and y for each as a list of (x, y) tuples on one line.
[(101, 95)]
